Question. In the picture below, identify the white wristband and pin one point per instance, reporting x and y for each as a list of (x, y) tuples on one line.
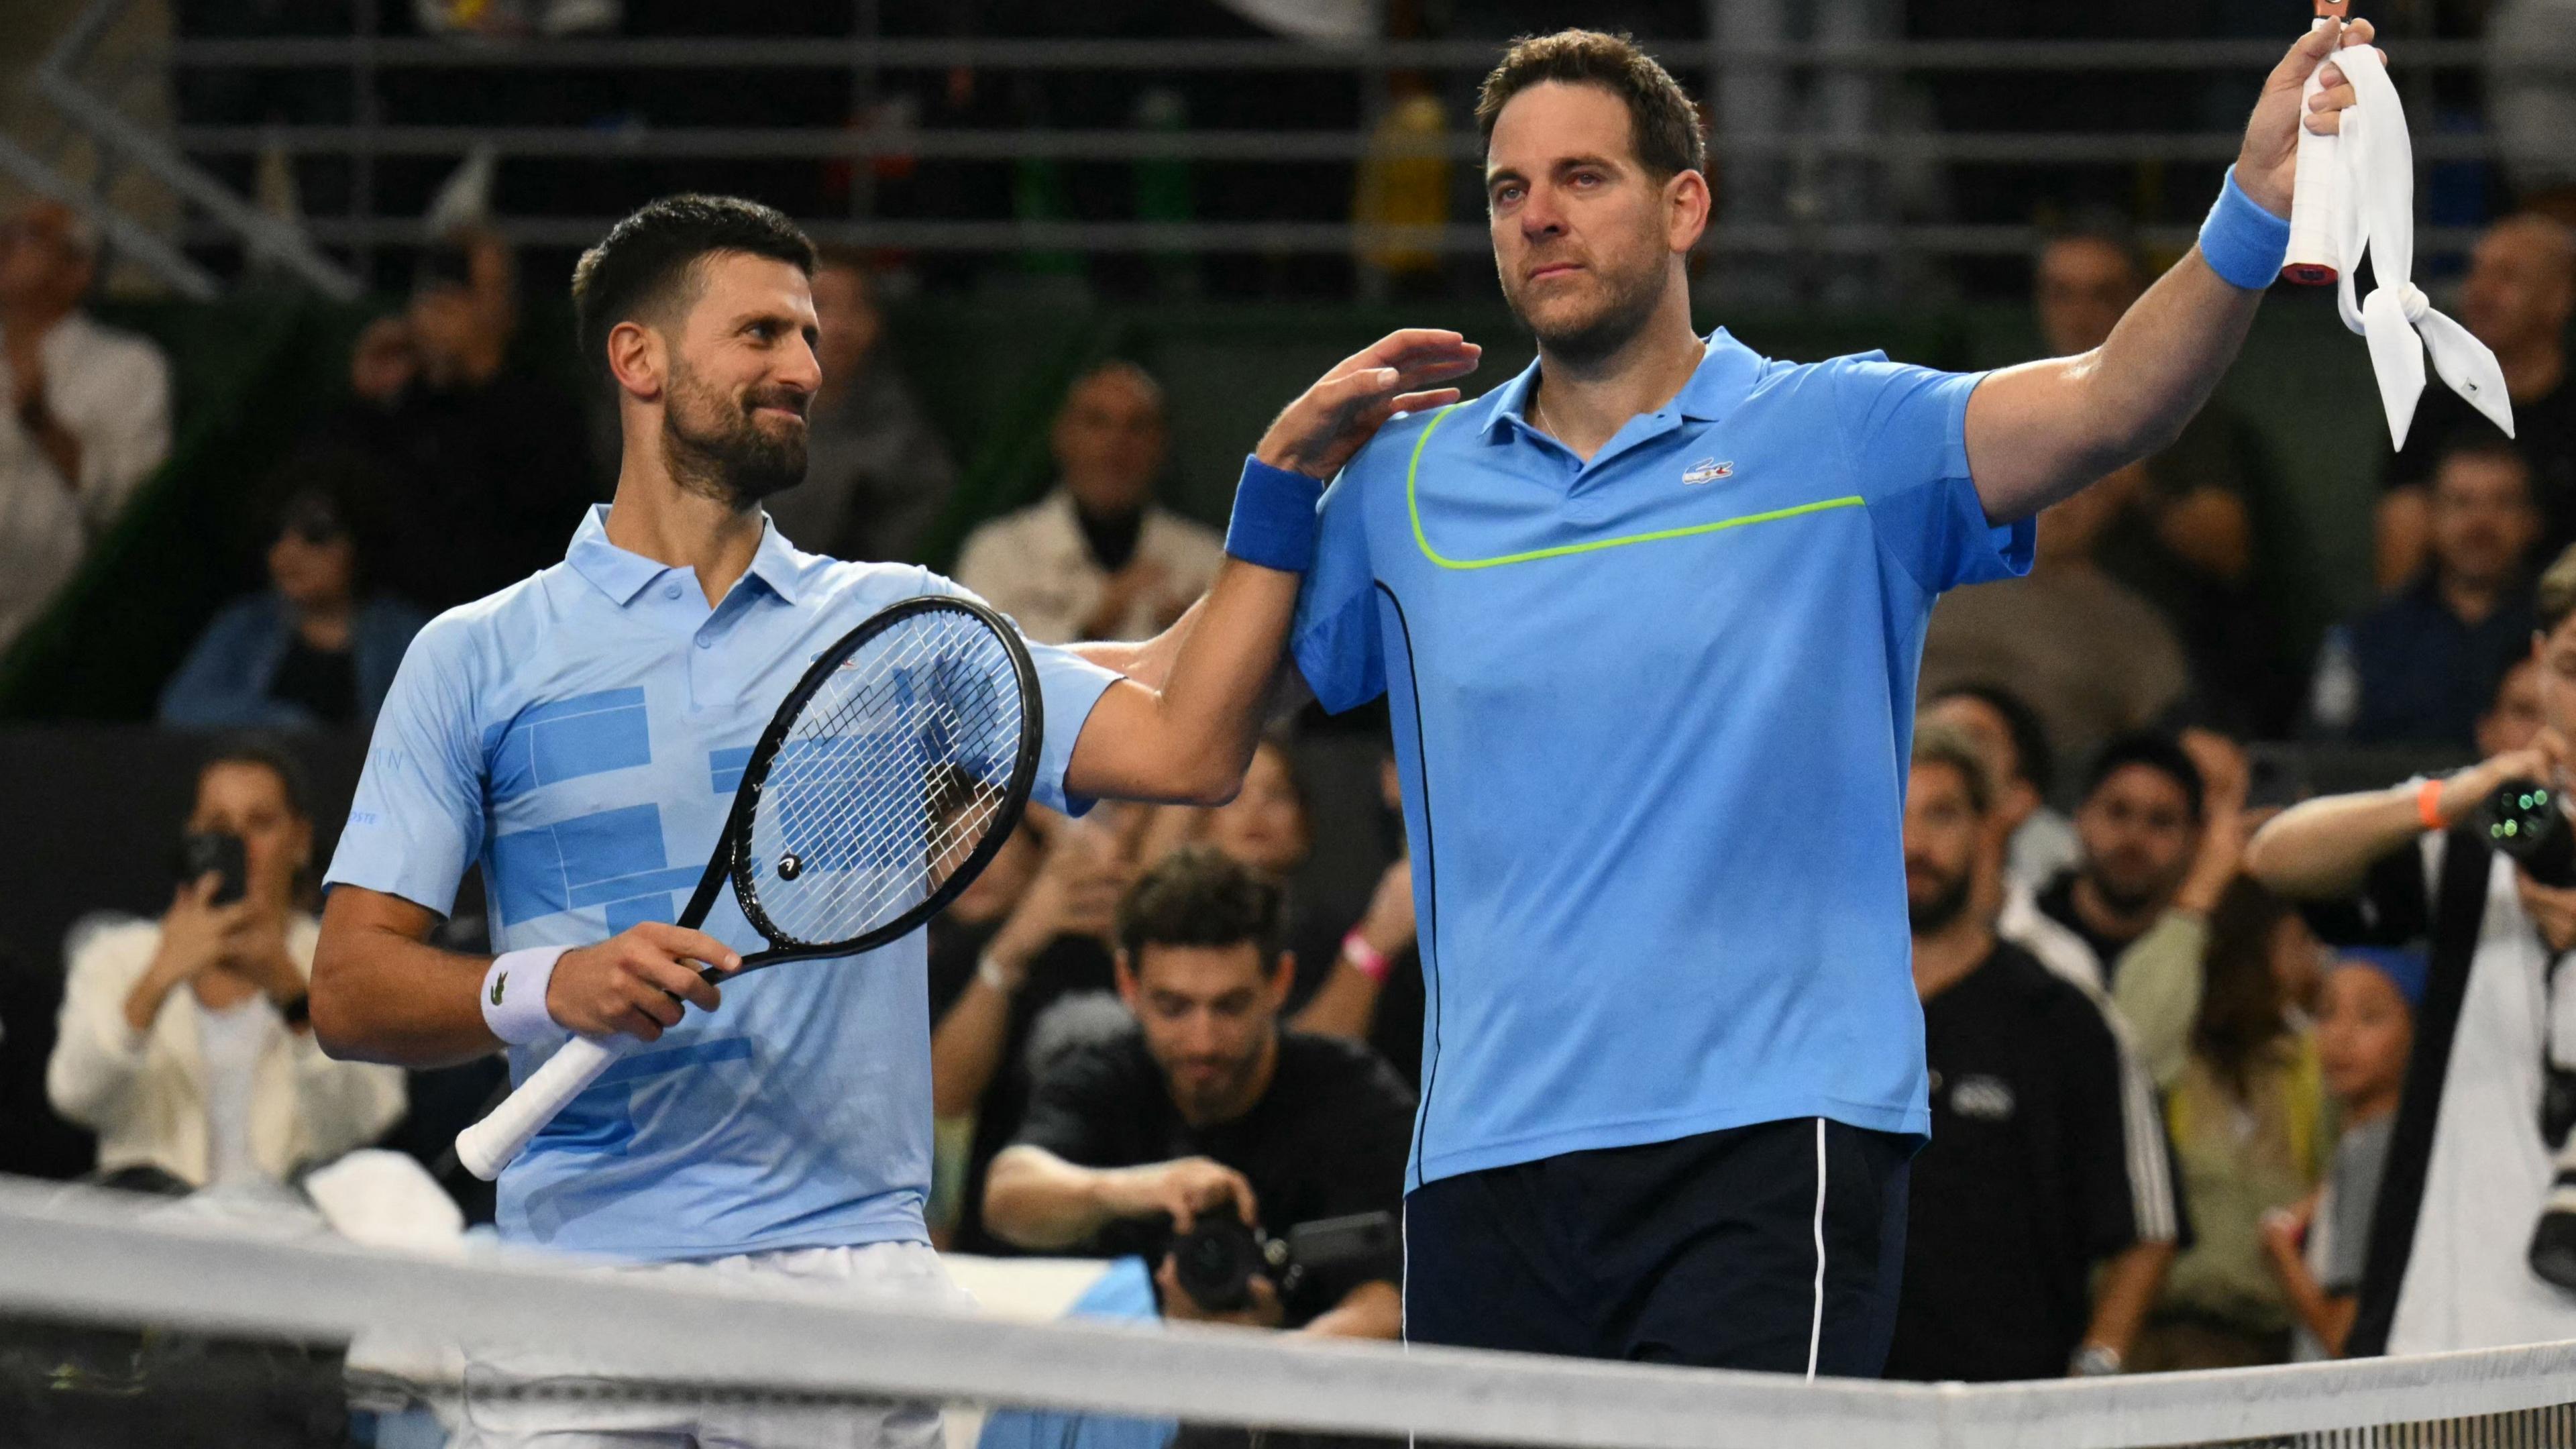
[(514, 995)]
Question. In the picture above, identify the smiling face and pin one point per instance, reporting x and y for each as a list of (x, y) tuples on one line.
[(741, 372), (1587, 240)]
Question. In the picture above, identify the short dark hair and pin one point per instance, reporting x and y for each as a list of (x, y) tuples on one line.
[(2157, 751), (263, 753), (1946, 744), (1662, 122), (2491, 449), (1199, 896), (648, 262), (2035, 761)]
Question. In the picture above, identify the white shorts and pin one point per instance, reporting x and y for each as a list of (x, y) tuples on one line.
[(498, 1412)]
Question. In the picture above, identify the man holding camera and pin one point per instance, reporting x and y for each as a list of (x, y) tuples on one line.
[(1204, 1111), (2453, 1261)]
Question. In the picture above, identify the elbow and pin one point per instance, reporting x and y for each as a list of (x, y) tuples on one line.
[(339, 1027), (1214, 779), (1014, 1207)]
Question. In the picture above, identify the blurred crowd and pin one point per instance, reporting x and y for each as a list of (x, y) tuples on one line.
[(2163, 1097)]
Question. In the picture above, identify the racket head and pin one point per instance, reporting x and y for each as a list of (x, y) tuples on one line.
[(920, 727)]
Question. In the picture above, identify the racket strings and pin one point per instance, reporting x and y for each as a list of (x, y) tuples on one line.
[(891, 774)]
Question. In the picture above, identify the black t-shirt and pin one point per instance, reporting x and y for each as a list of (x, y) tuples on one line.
[(2544, 432), (2057, 902), (323, 682), (1070, 988), (2025, 1185), (1329, 1138)]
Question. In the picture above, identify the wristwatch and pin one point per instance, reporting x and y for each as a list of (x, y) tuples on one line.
[(2093, 1361)]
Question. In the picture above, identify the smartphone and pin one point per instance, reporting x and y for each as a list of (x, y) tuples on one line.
[(212, 852)]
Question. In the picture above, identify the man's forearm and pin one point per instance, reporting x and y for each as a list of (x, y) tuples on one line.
[(966, 1047), (381, 996), (2320, 849), (1035, 1199), (2044, 430), (2130, 1282), (1190, 739), (1372, 1310)]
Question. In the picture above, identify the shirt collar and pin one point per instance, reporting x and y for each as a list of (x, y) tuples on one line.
[(622, 575), (1723, 379)]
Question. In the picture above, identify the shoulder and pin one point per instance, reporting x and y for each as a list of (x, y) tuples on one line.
[(1100, 1060), (106, 344), (384, 612), (1021, 524), (1406, 436), (116, 948), (251, 614), (1343, 1070)]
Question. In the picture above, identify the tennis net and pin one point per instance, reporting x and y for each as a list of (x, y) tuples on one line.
[(126, 1323)]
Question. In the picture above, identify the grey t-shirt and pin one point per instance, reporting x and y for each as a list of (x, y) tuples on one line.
[(2339, 1237)]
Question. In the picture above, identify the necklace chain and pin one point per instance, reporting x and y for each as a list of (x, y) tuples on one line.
[(1538, 409)]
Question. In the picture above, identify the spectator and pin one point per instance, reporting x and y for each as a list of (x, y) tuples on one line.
[(2039, 1175), (183, 1043), (2162, 830), (315, 650), (1265, 828), (2417, 667), (2517, 298), (1019, 965), (2042, 840), (1097, 558), (2180, 529), (2087, 653), (1204, 1105), (2514, 717), (2471, 1162), (88, 411), (463, 453), (2363, 1037), (876, 473), (2247, 1118)]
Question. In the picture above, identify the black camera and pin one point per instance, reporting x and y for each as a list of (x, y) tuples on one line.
[(202, 853), (2526, 820), (1216, 1258)]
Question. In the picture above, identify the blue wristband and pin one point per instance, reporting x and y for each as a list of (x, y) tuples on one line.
[(1274, 523), (2244, 244)]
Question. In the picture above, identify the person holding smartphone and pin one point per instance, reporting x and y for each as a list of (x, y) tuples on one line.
[(184, 1042)]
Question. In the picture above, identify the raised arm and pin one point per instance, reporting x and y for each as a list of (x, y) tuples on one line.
[(1189, 737), (2043, 430), (2321, 849)]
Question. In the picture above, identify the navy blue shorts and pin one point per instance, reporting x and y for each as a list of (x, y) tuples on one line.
[(1702, 1251)]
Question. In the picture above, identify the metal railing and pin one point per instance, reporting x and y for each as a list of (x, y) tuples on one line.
[(1807, 164)]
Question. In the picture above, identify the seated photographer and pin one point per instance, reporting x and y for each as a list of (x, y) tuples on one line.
[(184, 1043), (1208, 1108), (2453, 1260)]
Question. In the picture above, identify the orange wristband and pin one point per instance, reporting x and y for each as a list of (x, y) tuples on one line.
[(2428, 805)]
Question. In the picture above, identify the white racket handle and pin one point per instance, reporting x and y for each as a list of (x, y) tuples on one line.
[(496, 1141), (2319, 198)]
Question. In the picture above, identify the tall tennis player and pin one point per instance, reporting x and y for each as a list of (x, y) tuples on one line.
[(580, 734), (1649, 618)]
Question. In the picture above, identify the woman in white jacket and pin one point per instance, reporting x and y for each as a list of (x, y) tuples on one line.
[(184, 1043)]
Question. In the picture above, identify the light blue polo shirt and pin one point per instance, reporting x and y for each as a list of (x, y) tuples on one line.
[(1654, 714), (580, 734)]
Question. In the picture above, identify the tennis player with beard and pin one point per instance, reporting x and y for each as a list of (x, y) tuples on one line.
[(580, 734), (1649, 618)]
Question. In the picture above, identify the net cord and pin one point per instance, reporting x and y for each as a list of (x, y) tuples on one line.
[(87, 1254)]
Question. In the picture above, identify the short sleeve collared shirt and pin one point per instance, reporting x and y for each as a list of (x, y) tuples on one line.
[(580, 735), (1653, 713)]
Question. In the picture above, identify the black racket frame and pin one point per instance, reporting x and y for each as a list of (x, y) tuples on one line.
[(731, 860)]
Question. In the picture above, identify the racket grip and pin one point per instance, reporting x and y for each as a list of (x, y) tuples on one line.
[(496, 1141), (2318, 199)]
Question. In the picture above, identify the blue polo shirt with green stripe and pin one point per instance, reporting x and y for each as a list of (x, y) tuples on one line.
[(1653, 714)]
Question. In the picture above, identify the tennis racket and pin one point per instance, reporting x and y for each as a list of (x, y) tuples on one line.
[(892, 774)]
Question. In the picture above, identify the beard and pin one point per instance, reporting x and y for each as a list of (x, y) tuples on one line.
[(1617, 312), (716, 448), (2124, 894), (1943, 907)]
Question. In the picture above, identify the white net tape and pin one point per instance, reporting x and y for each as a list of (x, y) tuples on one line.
[(79, 1255)]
